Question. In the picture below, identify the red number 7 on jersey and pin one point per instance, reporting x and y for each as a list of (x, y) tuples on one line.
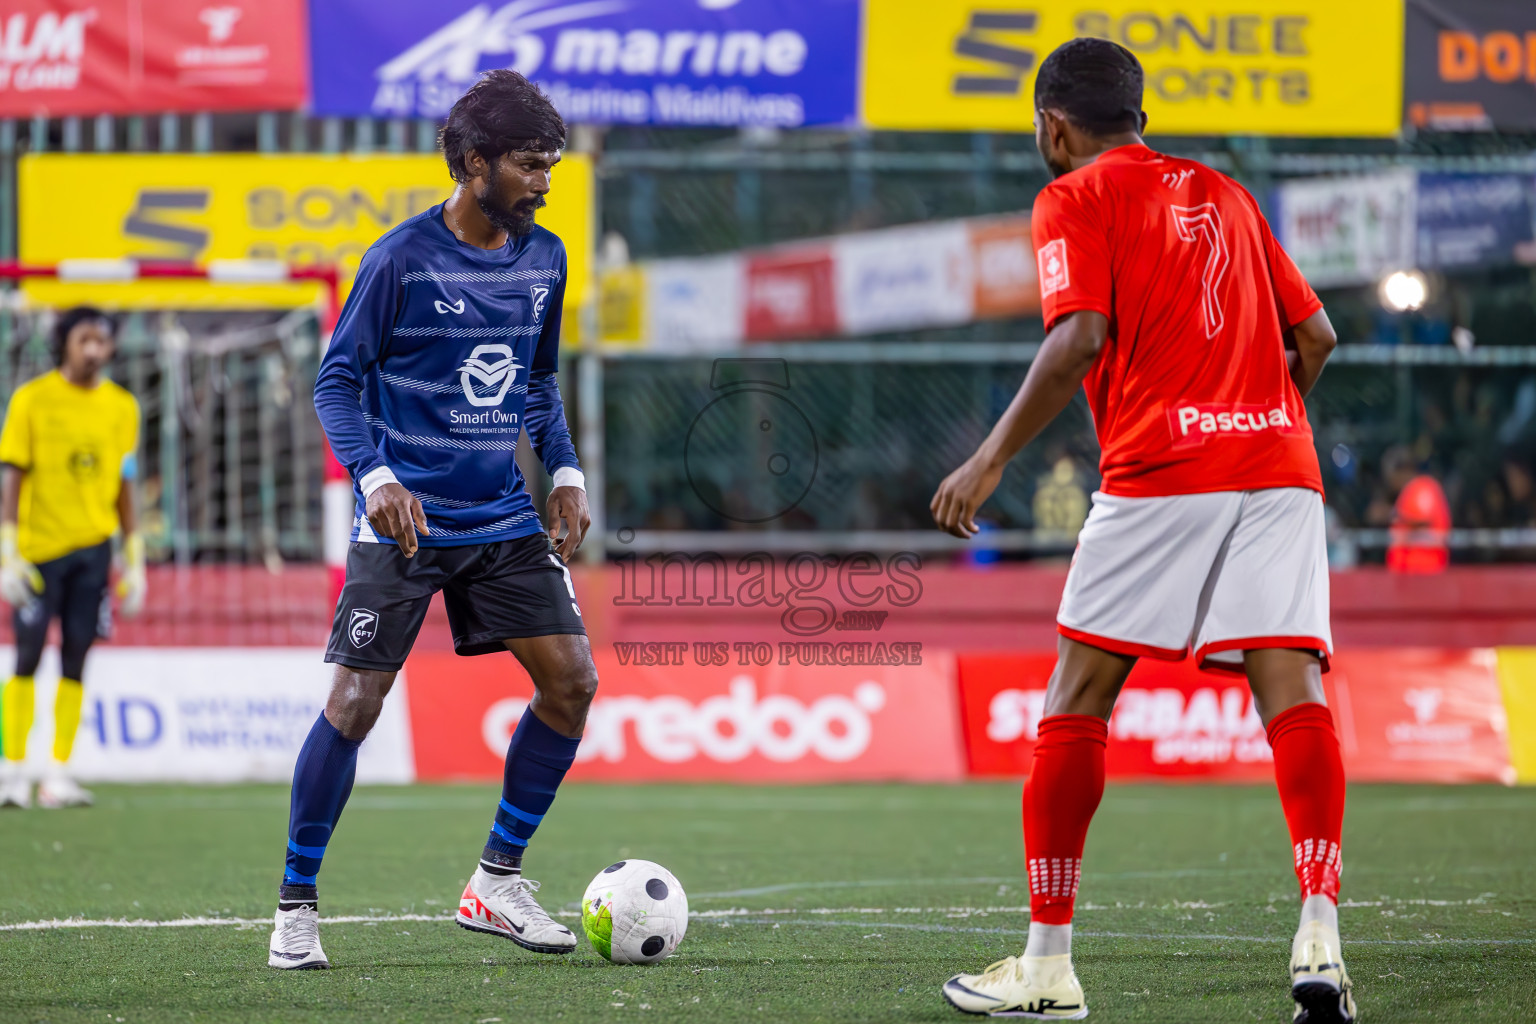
[(1203, 224)]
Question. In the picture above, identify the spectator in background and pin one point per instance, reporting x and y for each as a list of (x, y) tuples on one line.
[(1061, 503)]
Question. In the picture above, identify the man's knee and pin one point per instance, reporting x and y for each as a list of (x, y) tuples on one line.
[(1087, 680), (574, 687), (357, 698)]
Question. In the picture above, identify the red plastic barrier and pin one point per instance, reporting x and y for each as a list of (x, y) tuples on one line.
[(1402, 715), (773, 723)]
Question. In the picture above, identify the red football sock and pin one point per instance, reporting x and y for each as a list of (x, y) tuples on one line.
[(1063, 790), (1310, 773)]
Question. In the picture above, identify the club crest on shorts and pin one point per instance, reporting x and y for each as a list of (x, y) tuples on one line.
[(362, 627)]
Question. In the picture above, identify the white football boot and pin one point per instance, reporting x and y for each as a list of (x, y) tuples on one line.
[(15, 787), (1319, 983), (504, 905), (58, 790), (295, 941), (1037, 987)]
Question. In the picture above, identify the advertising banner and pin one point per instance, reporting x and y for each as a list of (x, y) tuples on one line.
[(69, 57), (919, 276), (1470, 64), (693, 305), (1212, 66), (1344, 231), (695, 716), (299, 208), (779, 63), (1007, 274), (1468, 220), (1402, 715), (791, 294), (207, 715)]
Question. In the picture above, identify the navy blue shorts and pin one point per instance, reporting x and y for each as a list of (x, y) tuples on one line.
[(493, 592)]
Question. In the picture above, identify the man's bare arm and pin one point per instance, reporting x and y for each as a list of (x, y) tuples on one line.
[(10, 492), (1308, 346), (1065, 358)]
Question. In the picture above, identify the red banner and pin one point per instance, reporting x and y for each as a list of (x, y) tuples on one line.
[(680, 720), (1403, 715), (791, 294), (61, 58)]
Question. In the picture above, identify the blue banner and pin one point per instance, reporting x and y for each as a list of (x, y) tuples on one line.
[(1469, 220), (777, 63)]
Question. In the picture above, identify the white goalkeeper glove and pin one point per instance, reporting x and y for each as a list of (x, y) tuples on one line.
[(133, 586), (20, 582)]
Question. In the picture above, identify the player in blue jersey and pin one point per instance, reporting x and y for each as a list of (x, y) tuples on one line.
[(446, 350)]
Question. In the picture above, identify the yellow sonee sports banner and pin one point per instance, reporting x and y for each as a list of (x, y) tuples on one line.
[(302, 209), (1308, 67)]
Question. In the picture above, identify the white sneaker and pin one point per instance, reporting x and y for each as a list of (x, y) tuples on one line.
[(58, 790), (15, 787), (1319, 984), (504, 905), (295, 944), (1038, 987)]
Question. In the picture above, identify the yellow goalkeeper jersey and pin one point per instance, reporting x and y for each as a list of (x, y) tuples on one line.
[(75, 444)]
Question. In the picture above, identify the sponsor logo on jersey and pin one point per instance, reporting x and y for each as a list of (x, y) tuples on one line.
[(449, 307), (1053, 267), (494, 374), (539, 293), (1193, 424), (363, 626)]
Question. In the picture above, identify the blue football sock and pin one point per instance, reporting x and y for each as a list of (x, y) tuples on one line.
[(537, 759), (322, 781)]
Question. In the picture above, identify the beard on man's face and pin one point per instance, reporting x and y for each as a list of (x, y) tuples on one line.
[(516, 219)]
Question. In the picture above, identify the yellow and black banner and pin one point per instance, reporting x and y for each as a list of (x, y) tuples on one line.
[(301, 209), (1309, 67)]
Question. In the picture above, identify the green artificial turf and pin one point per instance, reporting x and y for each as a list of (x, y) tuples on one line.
[(876, 894)]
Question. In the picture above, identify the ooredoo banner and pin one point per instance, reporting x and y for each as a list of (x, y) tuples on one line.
[(68, 57), (779, 63), (682, 720), (1402, 716), (207, 714)]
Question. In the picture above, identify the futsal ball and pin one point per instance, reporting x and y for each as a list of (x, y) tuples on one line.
[(634, 912)]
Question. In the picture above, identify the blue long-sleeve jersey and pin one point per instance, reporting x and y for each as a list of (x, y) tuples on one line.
[(443, 353)]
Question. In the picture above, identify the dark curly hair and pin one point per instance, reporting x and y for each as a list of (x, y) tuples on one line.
[(58, 338), (1097, 83), (501, 113)]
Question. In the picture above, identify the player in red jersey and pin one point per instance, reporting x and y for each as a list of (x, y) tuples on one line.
[(1169, 301)]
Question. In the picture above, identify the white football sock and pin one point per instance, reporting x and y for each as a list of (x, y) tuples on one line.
[(1316, 908), (1049, 940)]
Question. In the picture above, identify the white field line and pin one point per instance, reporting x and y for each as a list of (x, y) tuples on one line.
[(820, 917)]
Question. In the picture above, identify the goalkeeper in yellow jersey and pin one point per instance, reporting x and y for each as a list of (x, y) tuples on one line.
[(66, 472)]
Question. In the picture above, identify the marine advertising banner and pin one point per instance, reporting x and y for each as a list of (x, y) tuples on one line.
[(776, 63), (1213, 67), (299, 208), (1470, 65), (60, 58)]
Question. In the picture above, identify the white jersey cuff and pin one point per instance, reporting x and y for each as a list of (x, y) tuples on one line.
[(374, 479), (570, 476)]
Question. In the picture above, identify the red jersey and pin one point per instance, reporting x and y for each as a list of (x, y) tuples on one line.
[(1191, 392)]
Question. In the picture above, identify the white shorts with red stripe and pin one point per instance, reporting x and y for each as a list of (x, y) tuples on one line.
[(1220, 573)]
